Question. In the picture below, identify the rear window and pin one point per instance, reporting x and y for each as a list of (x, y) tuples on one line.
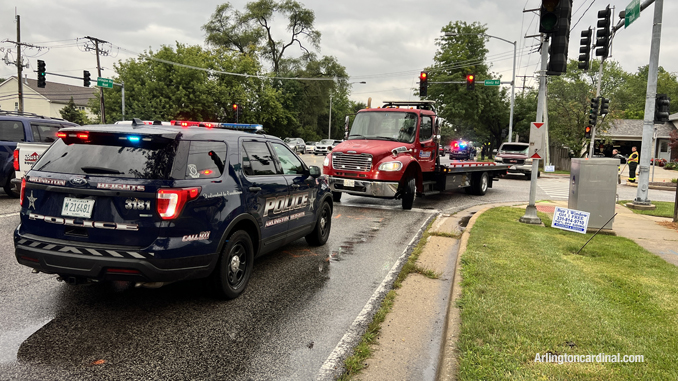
[(45, 133), (513, 148), (119, 159)]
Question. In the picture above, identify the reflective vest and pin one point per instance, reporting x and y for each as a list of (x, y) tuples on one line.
[(633, 158)]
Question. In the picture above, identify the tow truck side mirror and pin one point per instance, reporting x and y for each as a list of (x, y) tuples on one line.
[(436, 138)]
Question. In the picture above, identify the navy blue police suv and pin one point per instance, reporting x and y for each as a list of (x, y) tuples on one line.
[(156, 204)]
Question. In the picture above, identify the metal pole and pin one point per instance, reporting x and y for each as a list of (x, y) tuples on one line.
[(329, 127), (123, 99), (648, 123), (513, 92), (654, 151), (593, 128), (101, 89), (547, 157), (530, 216), (19, 64)]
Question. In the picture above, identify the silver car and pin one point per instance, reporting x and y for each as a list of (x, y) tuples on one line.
[(296, 144)]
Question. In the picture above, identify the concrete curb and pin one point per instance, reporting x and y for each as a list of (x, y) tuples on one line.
[(448, 364)]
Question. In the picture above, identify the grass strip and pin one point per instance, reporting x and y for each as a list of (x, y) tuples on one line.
[(664, 209), (524, 292)]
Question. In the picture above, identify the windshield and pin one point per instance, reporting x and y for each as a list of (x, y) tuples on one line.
[(326, 141), (396, 126), (514, 148)]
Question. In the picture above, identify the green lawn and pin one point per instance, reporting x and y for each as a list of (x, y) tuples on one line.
[(526, 292), (664, 208)]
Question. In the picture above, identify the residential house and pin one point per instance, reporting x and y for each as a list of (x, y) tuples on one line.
[(45, 101)]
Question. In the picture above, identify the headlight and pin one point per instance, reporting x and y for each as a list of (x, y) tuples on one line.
[(498, 160), (391, 166), (326, 162), (528, 161)]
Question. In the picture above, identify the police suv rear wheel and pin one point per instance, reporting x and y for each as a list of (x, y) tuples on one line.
[(323, 225), (234, 268)]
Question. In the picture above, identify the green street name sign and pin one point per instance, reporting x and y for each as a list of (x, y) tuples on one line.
[(104, 82), (492, 82), (632, 13)]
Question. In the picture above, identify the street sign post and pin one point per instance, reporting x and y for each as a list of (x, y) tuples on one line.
[(104, 82), (632, 13), (492, 82), (536, 140)]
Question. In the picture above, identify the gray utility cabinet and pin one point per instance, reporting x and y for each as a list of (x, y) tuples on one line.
[(593, 189)]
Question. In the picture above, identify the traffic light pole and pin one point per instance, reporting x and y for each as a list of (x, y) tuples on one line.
[(593, 128), (530, 216), (642, 199)]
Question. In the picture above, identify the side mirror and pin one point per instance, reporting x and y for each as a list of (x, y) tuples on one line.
[(314, 171), (436, 138)]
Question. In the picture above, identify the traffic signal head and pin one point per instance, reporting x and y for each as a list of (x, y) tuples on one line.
[(235, 107), (548, 18), (661, 107), (470, 82), (593, 114), (86, 78), (41, 73), (604, 106), (560, 37), (587, 132), (603, 32), (423, 84), (585, 49)]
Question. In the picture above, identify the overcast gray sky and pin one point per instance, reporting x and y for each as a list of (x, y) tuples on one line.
[(385, 43)]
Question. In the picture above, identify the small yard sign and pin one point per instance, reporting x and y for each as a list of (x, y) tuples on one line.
[(569, 219)]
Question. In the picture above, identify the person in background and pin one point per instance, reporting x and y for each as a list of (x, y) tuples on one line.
[(633, 164)]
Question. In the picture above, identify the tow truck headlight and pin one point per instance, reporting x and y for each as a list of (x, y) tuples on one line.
[(391, 166), (326, 162)]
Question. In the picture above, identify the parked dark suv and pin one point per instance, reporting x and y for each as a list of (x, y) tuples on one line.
[(16, 127), (149, 204)]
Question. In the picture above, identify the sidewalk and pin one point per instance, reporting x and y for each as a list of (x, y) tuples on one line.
[(418, 337)]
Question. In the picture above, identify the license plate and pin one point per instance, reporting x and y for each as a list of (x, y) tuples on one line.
[(512, 167), (349, 183), (77, 207)]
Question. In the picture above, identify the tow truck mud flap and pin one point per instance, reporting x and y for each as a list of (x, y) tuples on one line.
[(458, 181)]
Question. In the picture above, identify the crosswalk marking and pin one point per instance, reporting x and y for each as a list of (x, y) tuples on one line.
[(555, 189)]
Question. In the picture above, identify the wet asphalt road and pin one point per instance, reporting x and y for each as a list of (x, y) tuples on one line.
[(298, 305)]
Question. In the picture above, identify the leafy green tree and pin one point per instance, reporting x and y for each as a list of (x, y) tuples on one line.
[(71, 113), (252, 30)]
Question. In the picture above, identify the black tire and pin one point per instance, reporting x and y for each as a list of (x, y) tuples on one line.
[(9, 187), (336, 196), (234, 268), (409, 193), (479, 184), (323, 225)]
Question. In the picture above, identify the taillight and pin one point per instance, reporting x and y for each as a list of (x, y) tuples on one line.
[(16, 159), (23, 191), (170, 201), (61, 135)]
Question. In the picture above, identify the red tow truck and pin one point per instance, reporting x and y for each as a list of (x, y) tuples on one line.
[(393, 152)]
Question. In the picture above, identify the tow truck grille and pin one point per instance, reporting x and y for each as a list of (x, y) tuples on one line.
[(352, 162)]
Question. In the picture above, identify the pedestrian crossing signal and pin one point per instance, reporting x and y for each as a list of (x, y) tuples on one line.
[(587, 132)]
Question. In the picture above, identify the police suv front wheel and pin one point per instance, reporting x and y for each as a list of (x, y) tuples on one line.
[(234, 268), (323, 225)]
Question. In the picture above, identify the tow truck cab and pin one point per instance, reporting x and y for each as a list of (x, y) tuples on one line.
[(387, 153)]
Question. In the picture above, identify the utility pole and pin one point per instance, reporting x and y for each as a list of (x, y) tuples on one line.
[(101, 89), (19, 61), (650, 99)]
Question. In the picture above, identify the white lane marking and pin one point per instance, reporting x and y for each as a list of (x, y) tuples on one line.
[(333, 365), (9, 215)]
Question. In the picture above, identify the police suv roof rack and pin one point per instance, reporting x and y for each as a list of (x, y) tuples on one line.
[(421, 105), (29, 114)]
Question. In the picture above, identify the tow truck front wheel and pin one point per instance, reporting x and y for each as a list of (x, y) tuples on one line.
[(409, 193)]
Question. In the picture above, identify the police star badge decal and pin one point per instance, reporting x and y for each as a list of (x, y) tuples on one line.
[(311, 200), (31, 201)]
